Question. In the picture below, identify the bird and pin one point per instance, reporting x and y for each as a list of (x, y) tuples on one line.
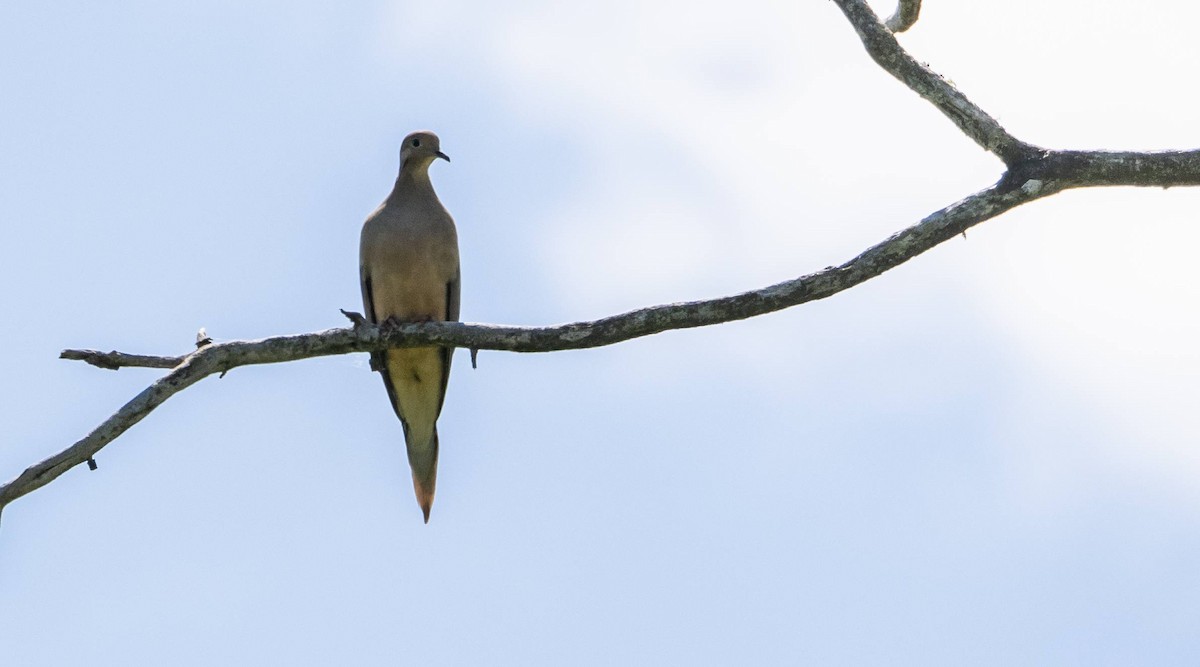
[(409, 272)]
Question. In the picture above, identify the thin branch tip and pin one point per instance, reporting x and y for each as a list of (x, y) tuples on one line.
[(92, 357), (973, 121), (907, 13), (114, 360)]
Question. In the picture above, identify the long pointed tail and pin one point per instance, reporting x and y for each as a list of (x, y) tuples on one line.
[(423, 459)]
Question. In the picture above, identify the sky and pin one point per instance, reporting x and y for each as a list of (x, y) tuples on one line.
[(988, 455)]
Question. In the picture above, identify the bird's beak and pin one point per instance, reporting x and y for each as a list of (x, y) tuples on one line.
[(443, 156)]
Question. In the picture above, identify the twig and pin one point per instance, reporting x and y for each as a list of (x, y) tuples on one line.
[(115, 360), (186, 374), (973, 121), (907, 12)]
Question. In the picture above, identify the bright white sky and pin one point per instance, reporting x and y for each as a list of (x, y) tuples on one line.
[(988, 456)]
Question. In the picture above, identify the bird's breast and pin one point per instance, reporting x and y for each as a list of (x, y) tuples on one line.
[(409, 264)]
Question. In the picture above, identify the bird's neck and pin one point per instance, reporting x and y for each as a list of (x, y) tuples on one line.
[(413, 178)]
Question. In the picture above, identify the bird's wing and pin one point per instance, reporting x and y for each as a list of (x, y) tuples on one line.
[(452, 300)]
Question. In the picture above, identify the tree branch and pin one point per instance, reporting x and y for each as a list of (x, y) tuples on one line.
[(115, 360), (1082, 169), (1033, 173), (221, 357), (907, 12), (973, 121)]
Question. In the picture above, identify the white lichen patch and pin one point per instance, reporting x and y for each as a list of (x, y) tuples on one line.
[(572, 336)]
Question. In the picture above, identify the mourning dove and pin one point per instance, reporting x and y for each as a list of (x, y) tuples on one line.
[(408, 262)]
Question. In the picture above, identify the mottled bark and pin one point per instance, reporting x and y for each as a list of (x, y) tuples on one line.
[(973, 121), (905, 17)]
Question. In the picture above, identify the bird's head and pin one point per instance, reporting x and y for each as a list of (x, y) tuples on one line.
[(420, 149)]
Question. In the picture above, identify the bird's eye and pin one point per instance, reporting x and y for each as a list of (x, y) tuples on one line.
[(416, 143)]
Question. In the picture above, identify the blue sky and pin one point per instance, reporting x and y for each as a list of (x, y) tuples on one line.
[(987, 456)]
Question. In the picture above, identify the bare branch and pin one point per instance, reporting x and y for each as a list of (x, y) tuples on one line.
[(905, 17), (220, 357), (41, 474), (115, 360), (1079, 169), (973, 121)]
